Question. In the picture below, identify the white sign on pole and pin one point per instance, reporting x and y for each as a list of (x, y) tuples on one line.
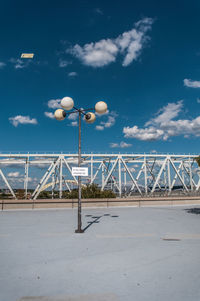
[(80, 171)]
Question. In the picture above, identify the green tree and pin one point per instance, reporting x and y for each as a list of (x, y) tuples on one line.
[(198, 160), (90, 191), (20, 193), (45, 194)]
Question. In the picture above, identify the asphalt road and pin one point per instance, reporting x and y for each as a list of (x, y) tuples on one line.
[(125, 254)]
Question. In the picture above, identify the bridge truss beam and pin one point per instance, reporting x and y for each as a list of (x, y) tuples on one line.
[(126, 174)]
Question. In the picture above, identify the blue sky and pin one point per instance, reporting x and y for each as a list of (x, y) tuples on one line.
[(141, 57)]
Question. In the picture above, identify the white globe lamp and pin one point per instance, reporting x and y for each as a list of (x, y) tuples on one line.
[(101, 107), (60, 114), (67, 103), (90, 117)]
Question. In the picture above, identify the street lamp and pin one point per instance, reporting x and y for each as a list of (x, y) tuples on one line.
[(67, 103)]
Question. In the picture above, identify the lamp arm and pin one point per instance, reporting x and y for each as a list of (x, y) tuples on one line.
[(82, 111)]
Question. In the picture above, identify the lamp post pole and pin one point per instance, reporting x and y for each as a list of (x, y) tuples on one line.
[(67, 103), (79, 230)]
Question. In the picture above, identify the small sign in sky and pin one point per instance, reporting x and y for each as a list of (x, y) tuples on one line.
[(80, 171), (27, 55)]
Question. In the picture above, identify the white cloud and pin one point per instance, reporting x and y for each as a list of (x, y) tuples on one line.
[(132, 41), (170, 111), (113, 145), (54, 103), (101, 53), (125, 145), (72, 74), (74, 123), (49, 115), (2, 65), (22, 120), (163, 127), (111, 118), (13, 174), (120, 145), (63, 63), (20, 64), (99, 11), (191, 84), (131, 169), (110, 122), (99, 127), (198, 100), (20, 179), (39, 165), (96, 54), (182, 127), (73, 116), (146, 134)]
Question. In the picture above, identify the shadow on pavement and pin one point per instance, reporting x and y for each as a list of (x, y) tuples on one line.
[(96, 219), (193, 210)]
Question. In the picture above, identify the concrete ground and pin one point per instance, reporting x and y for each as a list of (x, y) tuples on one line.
[(125, 254)]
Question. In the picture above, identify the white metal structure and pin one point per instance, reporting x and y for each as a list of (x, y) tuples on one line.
[(126, 174)]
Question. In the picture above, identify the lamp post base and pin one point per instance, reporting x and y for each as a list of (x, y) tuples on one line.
[(79, 231)]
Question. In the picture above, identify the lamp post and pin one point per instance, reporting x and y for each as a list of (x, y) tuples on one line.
[(67, 103)]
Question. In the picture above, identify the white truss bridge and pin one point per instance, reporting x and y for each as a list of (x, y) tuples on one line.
[(126, 174)]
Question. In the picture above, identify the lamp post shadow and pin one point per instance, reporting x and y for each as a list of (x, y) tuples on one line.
[(96, 220)]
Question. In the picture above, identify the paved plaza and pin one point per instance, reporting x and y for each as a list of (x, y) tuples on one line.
[(125, 254)]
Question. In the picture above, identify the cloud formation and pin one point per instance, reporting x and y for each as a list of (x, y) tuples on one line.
[(54, 104), (2, 65), (20, 179), (13, 174), (99, 127), (110, 122), (191, 83), (165, 114), (49, 115), (162, 127), (145, 134), (20, 64), (129, 44), (73, 116), (98, 11), (120, 145), (74, 123), (72, 74), (111, 118), (19, 119), (64, 63)]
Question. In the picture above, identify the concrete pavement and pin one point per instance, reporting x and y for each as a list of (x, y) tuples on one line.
[(125, 254)]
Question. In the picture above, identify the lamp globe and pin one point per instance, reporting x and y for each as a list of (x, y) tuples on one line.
[(90, 117), (101, 107), (67, 103), (60, 114)]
